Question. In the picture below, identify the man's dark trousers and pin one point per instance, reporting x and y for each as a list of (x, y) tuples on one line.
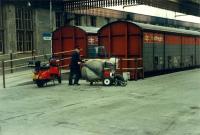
[(74, 73)]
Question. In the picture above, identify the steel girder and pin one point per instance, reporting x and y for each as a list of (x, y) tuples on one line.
[(191, 7), (183, 6)]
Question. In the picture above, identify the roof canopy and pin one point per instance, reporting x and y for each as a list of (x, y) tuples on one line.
[(151, 27), (191, 7), (166, 29)]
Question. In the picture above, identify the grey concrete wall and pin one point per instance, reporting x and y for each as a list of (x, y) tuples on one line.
[(42, 24), (86, 20), (100, 21), (10, 29)]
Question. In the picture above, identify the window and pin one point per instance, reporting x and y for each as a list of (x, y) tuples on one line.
[(1, 41), (1, 17), (1, 31), (107, 20), (93, 20), (59, 20), (77, 20), (24, 29)]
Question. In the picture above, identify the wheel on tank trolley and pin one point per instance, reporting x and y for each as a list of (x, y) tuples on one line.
[(119, 80), (107, 82), (123, 83)]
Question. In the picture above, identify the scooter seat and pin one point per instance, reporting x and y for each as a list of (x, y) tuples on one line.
[(44, 67)]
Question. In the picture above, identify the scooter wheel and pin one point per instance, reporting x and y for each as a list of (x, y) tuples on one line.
[(91, 83), (119, 80), (106, 82), (59, 79), (123, 83), (40, 83)]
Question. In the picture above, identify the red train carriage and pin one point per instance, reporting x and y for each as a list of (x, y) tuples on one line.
[(140, 47), (150, 48), (66, 38), (123, 40)]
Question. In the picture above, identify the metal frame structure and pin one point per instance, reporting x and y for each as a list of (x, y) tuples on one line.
[(183, 6)]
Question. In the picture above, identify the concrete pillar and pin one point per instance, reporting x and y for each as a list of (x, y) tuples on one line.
[(42, 24), (83, 21), (10, 29)]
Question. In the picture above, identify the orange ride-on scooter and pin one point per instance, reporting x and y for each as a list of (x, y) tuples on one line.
[(46, 73)]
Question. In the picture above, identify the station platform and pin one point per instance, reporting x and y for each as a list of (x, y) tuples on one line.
[(161, 105), (23, 78)]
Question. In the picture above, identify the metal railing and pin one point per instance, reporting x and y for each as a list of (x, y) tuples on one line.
[(138, 68), (22, 64)]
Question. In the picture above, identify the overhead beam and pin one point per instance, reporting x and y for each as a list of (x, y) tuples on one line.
[(190, 7), (183, 6)]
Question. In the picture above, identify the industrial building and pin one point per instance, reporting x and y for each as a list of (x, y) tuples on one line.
[(25, 24)]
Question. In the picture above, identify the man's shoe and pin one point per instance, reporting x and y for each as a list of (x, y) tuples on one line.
[(70, 84), (76, 84)]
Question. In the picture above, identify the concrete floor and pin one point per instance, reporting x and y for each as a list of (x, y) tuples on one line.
[(161, 105)]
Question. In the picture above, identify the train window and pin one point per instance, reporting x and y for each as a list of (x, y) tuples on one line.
[(161, 60), (101, 52), (96, 51)]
